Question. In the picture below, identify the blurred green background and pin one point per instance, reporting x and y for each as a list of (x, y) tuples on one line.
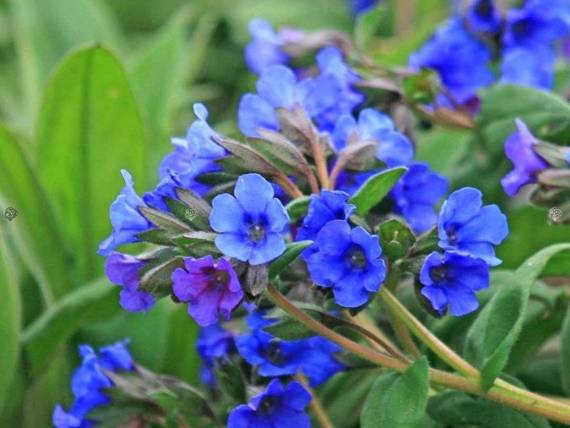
[(88, 87)]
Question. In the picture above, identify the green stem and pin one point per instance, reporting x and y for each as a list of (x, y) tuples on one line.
[(502, 392)]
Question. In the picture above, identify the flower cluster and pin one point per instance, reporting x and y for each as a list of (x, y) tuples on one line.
[(463, 49), (311, 201), (90, 381)]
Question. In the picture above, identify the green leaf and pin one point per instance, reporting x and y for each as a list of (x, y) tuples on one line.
[(453, 408), (89, 128), (43, 337), (369, 24), (36, 232), (46, 30), (565, 353), (375, 189), (293, 251), (297, 208), (289, 329), (10, 323), (398, 400), (547, 114), (493, 334)]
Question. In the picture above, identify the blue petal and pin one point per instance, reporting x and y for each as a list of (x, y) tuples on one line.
[(277, 86), (349, 291), (271, 248), (253, 193), (227, 215), (489, 226), (255, 113), (277, 217), (334, 238), (234, 245)]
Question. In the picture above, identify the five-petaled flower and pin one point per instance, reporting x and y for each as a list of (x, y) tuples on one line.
[(277, 406), (466, 226), (251, 224), (349, 261), (211, 288), (451, 280)]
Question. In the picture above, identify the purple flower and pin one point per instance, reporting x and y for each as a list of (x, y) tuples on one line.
[(214, 343), (519, 148), (415, 195), (466, 226), (251, 224), (326, 206), (126, 219), (210, 288), (394, 148), (278, 88), (349, 261), (451, 280), (123, 270), (89, 382), (277, 406), (266, 48)]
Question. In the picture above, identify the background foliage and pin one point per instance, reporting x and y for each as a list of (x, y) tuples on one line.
[(88, 87)]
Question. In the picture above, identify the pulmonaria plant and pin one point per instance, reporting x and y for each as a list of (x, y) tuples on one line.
[(294, 245)]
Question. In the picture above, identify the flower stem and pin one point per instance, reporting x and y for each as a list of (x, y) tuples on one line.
[(422, 332), (316, 405), (501, 392)]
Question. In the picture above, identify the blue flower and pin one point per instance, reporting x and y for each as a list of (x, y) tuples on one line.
[(415, 195), (519, 148), (211, 288), (451, 280), (394, 148), (192, 156), (332, 65), (251, 224), (529, 67), (349, 261), (484, 16), (461, 60), (126, 219), (123, 270), (89, 382), (277, 406), (326, 206), (314, 356), (214, 344), (278, 88), (466, 226), (266, 48), (362, 6)]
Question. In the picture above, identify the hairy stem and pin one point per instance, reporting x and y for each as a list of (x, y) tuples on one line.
[(316, 405), (501, 392)]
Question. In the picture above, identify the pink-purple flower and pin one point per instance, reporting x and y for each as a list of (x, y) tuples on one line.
[(211, 288)]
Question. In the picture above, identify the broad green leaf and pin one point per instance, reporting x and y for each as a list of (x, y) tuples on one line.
[(492, 335), (565, 353), (375, 189), (293, 251), (45, 30), (89, 128), (398, 400), (37, 235), (43, 337), (453, 408), (10, 322), (289, 329), (377, 20), (547, 114)]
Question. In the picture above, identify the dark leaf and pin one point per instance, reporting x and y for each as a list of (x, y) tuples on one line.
[(375, 189)]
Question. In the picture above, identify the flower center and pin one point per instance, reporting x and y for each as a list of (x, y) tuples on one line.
[(217, 277), (356, 258), (451, 232), (256, 233), (439, 274), (274, 354), (522, 27), (267, 404), (484, 8)]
